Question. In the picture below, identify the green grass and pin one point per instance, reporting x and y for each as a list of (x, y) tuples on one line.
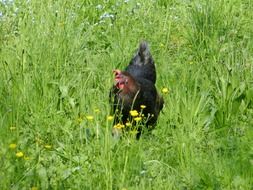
[(56, 62)]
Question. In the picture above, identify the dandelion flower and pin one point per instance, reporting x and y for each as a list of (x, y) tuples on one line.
[(20, 154), (110, 117), (48, 146), (12, 146), (119, 126), (137, 119), (133, 113), (143, 106), (89, 117), (165, 90)]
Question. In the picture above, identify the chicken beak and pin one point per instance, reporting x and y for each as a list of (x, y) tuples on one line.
[(119, 81)]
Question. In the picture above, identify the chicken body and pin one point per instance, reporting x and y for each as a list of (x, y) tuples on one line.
[(135, 88)]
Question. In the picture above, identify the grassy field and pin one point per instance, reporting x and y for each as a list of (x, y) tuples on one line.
[(56, 62)]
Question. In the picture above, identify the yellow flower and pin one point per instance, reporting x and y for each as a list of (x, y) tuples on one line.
[(165, 90), (133, 113), (110, 117), (137, 119), (128, 124), (34, 188), (19, 154), (48, 146), (12, 146), (26, 157), (119, 126), (89, 117), (143, 106)]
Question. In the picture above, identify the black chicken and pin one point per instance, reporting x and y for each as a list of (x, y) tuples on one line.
[(135, 88)]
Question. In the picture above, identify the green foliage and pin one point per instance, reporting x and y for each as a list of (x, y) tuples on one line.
[(56, 62)]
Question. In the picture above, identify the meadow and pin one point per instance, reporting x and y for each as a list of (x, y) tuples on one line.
[(56, 62)]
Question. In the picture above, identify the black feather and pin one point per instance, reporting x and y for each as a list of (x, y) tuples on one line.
[(142, 64)]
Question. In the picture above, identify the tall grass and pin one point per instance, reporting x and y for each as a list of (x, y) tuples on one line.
[(56, 60)]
